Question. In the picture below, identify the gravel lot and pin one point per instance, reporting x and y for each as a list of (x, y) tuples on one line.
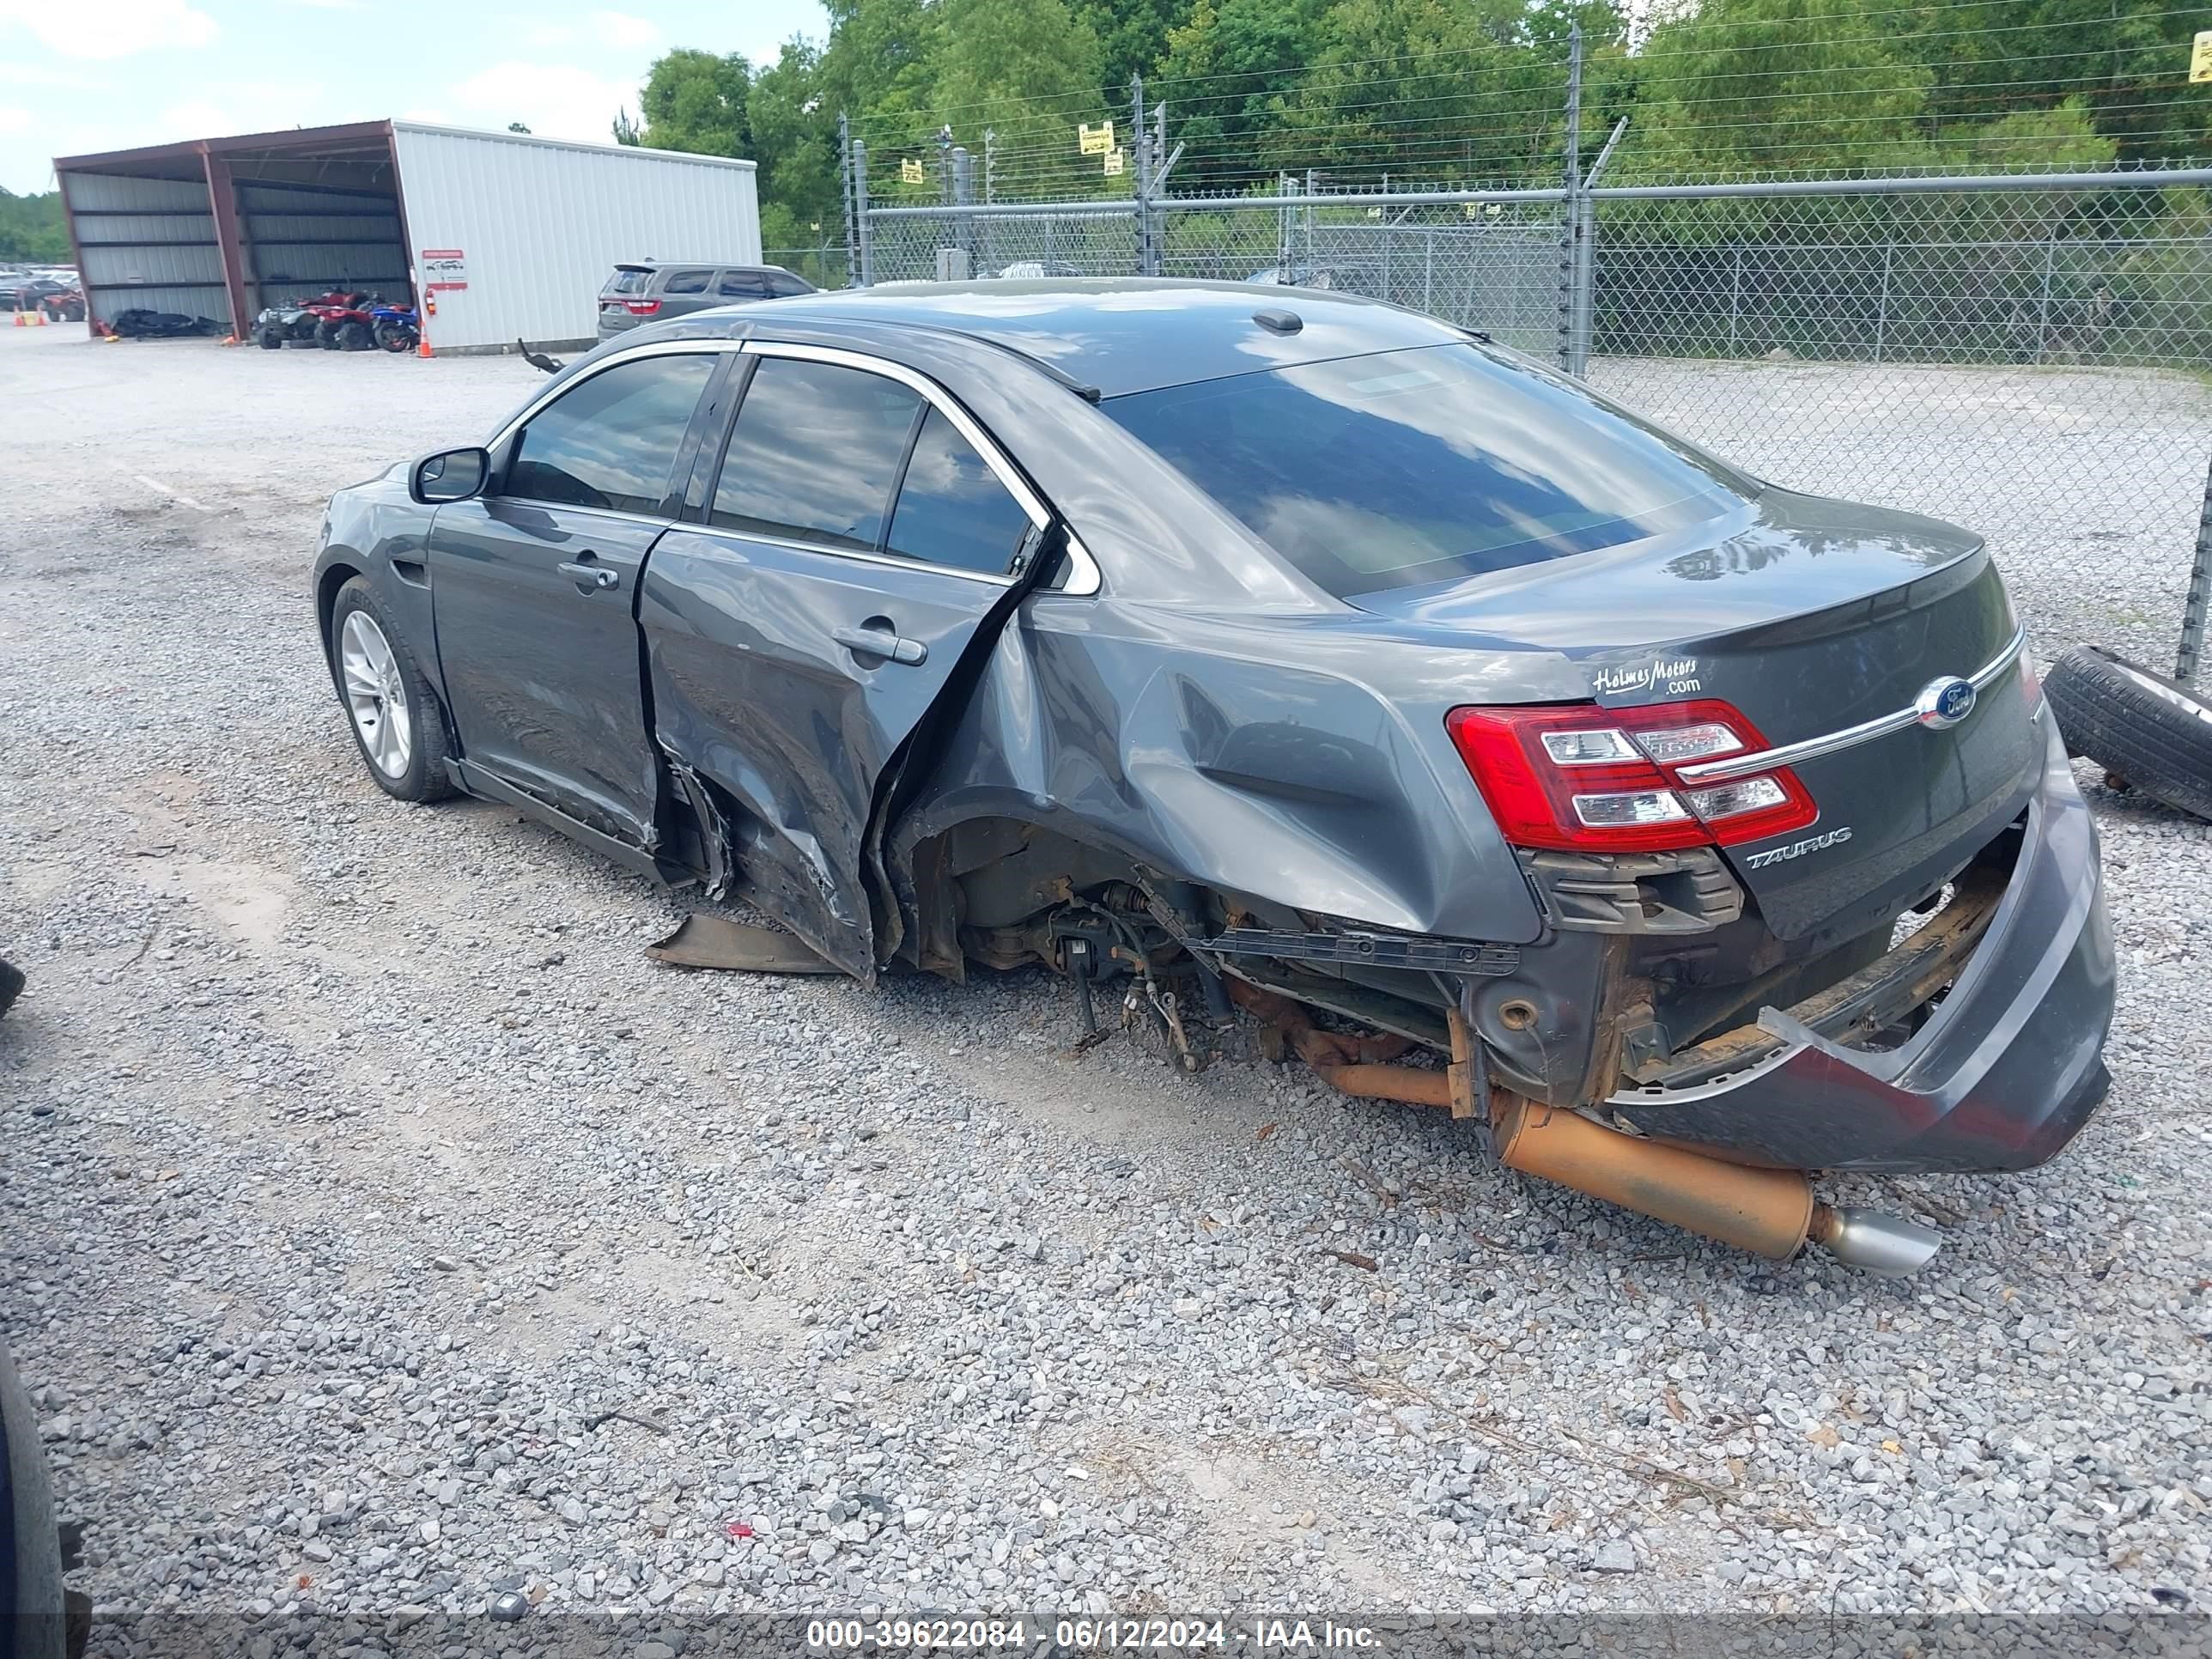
[(385, 1230)]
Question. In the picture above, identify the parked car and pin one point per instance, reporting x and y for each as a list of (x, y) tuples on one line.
[(60, 300), (655, 290), (1299, 651), (1329, 279), (1033, 269)]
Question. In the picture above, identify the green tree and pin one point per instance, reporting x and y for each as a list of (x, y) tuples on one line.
[(1741, 87), (695, 101), (1228, 76), (31, 228), (795, 137), (1132, 38), (1027, 71)]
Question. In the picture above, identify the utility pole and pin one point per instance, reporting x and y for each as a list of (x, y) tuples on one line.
[(1570, 208), (1146, 264), (845, 180)]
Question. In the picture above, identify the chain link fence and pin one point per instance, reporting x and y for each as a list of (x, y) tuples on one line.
[(2029, 356), (825, 265)]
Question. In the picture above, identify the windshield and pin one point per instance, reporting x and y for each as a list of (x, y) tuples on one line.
[(1423, 465)]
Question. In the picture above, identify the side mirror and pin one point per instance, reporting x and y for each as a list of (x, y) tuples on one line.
[(453, 475)]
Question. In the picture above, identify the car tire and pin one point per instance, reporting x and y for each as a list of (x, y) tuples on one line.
[(376, 674), (2145, 730), (34, 1605)]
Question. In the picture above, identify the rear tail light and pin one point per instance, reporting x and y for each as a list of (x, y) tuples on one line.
[(1581, 778), (641, 308)]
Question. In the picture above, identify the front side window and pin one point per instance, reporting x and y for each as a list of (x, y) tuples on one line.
[(783, 285), (742, 285), (687, 281), (610, 441), (953, 510), (814, 452), (1425, 464)]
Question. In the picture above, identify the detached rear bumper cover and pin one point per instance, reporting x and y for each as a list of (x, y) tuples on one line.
[(2005, 1073)]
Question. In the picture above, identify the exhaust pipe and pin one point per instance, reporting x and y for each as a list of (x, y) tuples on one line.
[(1886, 1246), (1770, 1213)]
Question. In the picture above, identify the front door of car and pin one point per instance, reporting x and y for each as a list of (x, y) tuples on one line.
[(853, 545), (535, 585)]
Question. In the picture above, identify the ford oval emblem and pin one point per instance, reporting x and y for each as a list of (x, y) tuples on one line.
[(1945, 703)]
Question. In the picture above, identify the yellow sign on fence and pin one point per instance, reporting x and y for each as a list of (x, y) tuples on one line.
[(910, 172), (1113, 162), (2200, 57), (1095, 141)]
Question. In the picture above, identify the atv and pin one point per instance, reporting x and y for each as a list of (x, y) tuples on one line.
[(395, 328)]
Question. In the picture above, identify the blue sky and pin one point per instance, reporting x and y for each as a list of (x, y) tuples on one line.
[(121, 73)]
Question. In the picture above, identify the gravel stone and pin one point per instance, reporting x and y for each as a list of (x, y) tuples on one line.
[(703, 1345)]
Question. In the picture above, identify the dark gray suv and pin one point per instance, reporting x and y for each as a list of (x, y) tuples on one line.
[(652, 290)]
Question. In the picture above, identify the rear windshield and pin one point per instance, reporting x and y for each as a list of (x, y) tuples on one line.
[(1424, 464), (627, 282)]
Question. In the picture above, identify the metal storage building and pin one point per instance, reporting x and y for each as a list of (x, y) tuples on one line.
[(512, 235)]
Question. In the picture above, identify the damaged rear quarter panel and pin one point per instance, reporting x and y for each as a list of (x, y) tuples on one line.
[(1183, 741)]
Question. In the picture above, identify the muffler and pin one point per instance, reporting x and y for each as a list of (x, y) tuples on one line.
[(1770, 1213)]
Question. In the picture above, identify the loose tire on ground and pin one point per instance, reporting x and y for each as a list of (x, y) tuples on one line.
[(422, 778), (2153, 732)]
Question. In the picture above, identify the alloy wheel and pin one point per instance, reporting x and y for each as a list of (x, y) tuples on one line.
[(375, 695)]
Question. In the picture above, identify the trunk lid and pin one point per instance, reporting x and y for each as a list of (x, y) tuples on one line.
[(1810, 617)]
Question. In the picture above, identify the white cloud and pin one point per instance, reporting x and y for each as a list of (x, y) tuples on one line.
[(331, 5), (619, 28), (602, 32), (35, 74), (225, 109), (13, 119), (554, 101), (119, 27)]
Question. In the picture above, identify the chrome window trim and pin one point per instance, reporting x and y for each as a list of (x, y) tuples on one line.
[(1789, 754), (658, 348), (858, 556), (1083, 574)]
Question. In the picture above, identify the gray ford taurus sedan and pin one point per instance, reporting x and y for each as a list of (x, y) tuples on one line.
[(1311, 671)]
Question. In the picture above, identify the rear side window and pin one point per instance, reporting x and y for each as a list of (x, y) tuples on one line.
[(953, 510), (686, 282), (814, 455), (627, 282), (742, 285), (1425, 464), (610, 441)]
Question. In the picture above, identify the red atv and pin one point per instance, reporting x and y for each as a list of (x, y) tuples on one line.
[(343, 322)]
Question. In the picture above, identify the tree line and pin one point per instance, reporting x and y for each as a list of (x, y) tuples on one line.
[(31, 229), (1464, 92)]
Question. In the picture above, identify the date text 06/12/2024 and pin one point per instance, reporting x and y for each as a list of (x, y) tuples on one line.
[(1009, 1634)]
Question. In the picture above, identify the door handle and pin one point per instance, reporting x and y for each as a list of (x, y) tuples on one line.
[(589, 574), (877, 638)]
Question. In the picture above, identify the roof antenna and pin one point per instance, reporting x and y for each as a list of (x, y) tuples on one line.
[(1278, 322)]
